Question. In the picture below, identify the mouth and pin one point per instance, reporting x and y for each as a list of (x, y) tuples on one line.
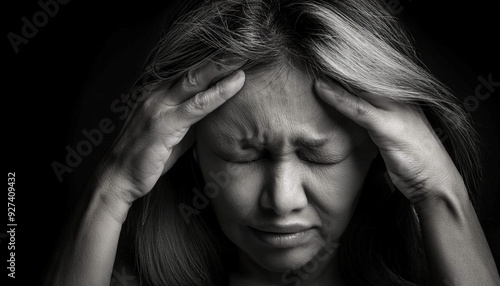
[(282, 236)]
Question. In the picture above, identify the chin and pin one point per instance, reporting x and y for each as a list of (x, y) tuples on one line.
[(282, 260)]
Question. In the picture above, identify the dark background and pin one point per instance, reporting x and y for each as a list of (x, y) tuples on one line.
[(64, 80)]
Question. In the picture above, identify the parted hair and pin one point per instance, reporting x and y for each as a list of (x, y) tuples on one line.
[(359, 44)]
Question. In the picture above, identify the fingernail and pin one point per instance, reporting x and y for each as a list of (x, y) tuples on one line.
[(324, 83), (231, 61), (237, 74), (228, 58), (234, 76)]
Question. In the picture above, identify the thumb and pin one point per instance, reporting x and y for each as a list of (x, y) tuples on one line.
[(178, 150)]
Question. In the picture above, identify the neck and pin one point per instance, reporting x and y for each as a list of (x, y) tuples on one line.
[(317, 272)]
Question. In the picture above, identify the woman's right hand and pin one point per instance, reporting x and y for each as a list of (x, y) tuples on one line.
[(154, 136), (156, 133)]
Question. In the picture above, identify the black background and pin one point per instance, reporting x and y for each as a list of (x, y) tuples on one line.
[(64, 79)]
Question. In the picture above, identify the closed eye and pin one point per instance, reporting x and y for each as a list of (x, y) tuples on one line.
[(307, 159), (261, 156), (319, 159), (253, 161)]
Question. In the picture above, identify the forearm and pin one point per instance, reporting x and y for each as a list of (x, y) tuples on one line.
[(455, 245), (90, 242)]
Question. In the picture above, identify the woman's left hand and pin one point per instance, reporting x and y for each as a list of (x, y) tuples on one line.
[(417, 162), (456, 249)]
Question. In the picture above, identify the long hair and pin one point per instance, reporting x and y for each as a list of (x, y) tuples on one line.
[(357, 43)]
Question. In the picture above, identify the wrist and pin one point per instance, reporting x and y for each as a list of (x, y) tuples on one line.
[(452, 199), (110, 194), (112, 204)]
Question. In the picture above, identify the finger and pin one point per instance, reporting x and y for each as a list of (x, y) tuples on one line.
[(179, 149), (207, 101), (355, 108), (198, 80), (380, 102)]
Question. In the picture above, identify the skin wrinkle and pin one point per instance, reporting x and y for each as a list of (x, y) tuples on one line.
[(274, 116), (255, 130)]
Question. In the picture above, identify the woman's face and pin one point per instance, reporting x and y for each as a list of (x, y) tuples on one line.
[(283, 170)]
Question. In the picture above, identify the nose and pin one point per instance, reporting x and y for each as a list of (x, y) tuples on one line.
[(284, 190)]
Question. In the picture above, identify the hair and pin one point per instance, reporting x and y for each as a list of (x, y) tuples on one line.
[(357, 43)]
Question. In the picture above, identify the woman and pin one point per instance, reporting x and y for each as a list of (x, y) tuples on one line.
[(284, 143)]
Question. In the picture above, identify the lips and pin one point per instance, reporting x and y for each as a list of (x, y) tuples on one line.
[(291, 228), (282, 236)]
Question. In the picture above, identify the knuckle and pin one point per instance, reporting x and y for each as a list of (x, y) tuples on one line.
[(148, 109), (194, 105), (360, 108), (150, 114), (192, 79), (179, 132), (343, 95), (151, 121), (148, 103), (219, 88), (199, 102)]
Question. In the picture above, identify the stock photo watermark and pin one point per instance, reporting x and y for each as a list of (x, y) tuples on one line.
[(94, 137), (32, 25), (11, 224), (393, 6), (211, 190), (483, 91), (297, 276), (124, 277), (75, 155)]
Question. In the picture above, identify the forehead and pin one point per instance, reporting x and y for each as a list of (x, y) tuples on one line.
[(274, 105)]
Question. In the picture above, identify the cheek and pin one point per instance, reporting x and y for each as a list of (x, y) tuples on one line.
[(238, 188), (234, 187), (335, 191), (331, 191)]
